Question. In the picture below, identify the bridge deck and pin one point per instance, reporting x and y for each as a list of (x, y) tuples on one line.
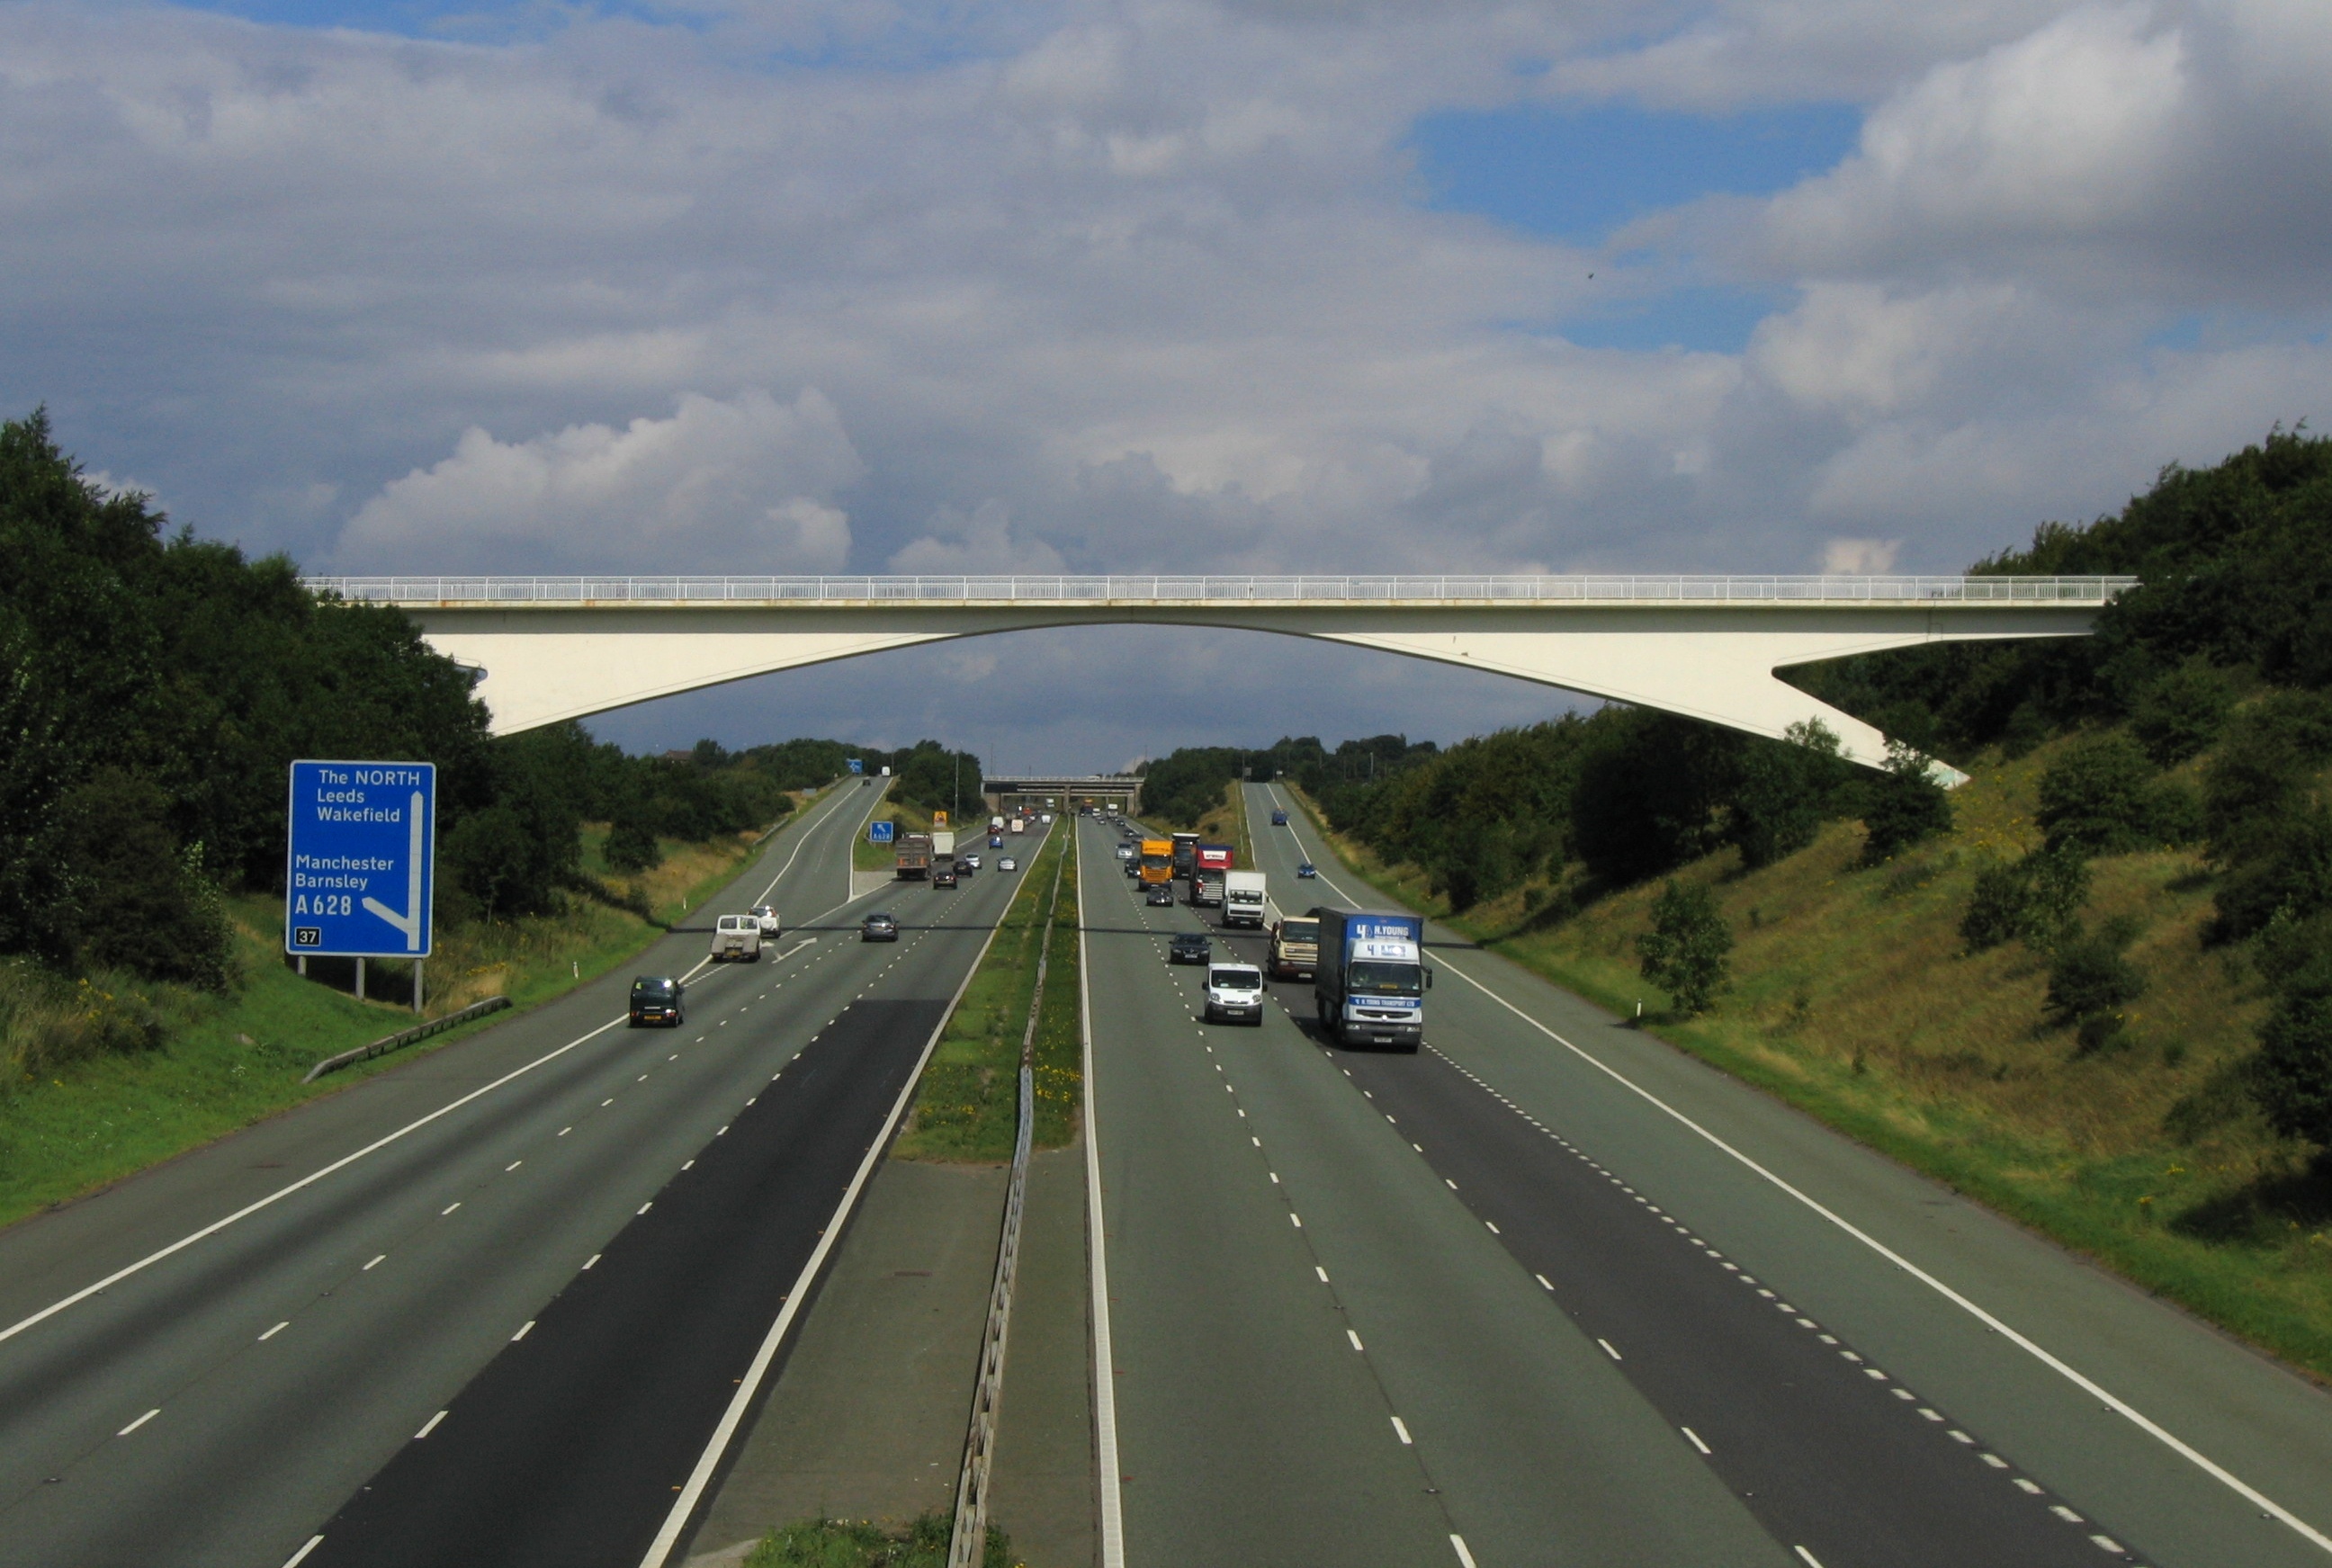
[(1099, 592)]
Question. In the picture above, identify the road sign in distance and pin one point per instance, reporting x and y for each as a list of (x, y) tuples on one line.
[(361, 868), (879, 832), (857, 764)]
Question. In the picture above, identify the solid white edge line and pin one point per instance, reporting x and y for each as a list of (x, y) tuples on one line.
[(1112, 1501), (300, 1557), (668, 1536), (2079, 1380), (216, 1226), (1465, 1558), (1812, 1561)]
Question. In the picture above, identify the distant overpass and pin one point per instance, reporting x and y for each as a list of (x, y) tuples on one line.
[(552, 648), (1124, 788)]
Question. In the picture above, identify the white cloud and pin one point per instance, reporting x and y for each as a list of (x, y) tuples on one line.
[(980, 540), (738, 486), (1859, 557)]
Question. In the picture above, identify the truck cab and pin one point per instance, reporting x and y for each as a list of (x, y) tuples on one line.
[(1294, 947), (1369, 981), (1243, 899)]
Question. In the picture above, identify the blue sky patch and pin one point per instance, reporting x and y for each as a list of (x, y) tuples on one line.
[(1578, 174)]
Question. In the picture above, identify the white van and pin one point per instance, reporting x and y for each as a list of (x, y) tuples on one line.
[(737, 936)]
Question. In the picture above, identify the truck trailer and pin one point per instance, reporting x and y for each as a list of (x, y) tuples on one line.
[(1243, 899), (1186, 855), (912, 859), (1369, 984)]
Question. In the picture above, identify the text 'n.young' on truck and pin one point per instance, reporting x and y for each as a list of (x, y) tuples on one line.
[(1243, 899), (1369, 981)]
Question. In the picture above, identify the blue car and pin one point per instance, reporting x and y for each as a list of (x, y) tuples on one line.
[(1307, 869)]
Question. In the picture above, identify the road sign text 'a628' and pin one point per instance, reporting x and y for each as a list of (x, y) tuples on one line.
[(361, 863)]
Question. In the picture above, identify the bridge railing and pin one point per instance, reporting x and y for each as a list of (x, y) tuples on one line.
[(1188, 591)]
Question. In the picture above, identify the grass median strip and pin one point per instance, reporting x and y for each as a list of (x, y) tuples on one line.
[(923, 1543), (967, 1105)]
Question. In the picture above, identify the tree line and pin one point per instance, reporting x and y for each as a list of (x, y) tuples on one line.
[(155, 686)]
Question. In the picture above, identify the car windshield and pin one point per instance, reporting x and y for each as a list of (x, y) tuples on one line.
[(653, 988), (1299, 930), (1384, 977), (1235, 980), (878, 920)]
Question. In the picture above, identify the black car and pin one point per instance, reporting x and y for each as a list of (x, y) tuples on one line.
[(879, 928), (1161, 895), (1190, 947), (657, 999)]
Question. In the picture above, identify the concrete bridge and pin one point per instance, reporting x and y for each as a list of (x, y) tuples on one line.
[(557, 648), (1123, 789)]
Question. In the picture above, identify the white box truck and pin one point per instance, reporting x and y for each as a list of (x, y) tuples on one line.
[(1243, 898)]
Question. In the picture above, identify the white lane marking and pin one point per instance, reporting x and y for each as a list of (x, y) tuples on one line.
[(1812, 1561), (2066, 1513), (1544, 1280), (593, 1258), (1275, 1177), (375, 1263), (512, 1166), (667, 1535), (645, 1207), (1608, 1349), (1697, 1443), (345, 1161), (1402, 1432), (1995, 1460), (1295, 1219), (1465, 1558), (1452, 1185), (2055, 1363), (524, 1330), (1321, 1272), (1353, 1337), (1113, 1505), (272, 1332), (141, 1421), (689, 1166), (449, 1209), (1494, 1229), (2030, 1489), (564, 1130), (2107, 1544), (608, 1102), (722, 1133), (300, 1557), (429, 1425)]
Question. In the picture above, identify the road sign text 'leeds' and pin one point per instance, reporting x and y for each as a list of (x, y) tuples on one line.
[(360, 872)]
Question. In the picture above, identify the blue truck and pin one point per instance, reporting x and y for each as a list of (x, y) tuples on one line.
[(1370, 982)]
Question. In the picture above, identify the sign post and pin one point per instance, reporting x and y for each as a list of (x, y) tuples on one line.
[(360, 869)]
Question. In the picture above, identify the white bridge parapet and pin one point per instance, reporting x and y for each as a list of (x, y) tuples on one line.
[(553, 648)]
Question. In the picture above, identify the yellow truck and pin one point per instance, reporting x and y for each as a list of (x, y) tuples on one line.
[(1157, 862)]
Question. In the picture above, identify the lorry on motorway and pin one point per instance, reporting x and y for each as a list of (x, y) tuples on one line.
[(913, 858), (1368, 982), (1186, 855), (1156, 866), (1211, 864), (1294, 947), (1243, 898), (737, 936), (942, 841)]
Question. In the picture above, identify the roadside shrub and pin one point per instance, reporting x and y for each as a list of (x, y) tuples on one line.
[(2181, 714), (2090, 976), (1785, 789), (1685, 952), (2292, 1077), (2105, 797), (632, 844), (133, 898), (2287, 874), (2263, 769), (1903, 806), (498, 863), (2036, 899)]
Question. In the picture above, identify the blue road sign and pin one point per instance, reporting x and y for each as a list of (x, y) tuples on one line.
[(857, 764), (879, 832), (361, 866)]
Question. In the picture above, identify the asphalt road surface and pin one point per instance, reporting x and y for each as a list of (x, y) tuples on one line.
[(490, 1303), (1549, 1292)]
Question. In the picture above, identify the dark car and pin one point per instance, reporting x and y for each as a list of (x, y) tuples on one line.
[(1307, 870), (1161, 895), (944, 877), (657, 999), (879, 928), (1190, 947), (1279, 820)]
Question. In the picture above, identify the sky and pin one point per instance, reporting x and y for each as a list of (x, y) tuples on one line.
[(1081, 285)]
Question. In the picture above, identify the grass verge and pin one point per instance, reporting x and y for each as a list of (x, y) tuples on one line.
[(968, 1104), (923, 1543), (867, 856), (150, 1071), (1854, 999)]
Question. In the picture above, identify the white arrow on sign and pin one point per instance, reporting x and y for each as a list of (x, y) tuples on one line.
[(409, 923)]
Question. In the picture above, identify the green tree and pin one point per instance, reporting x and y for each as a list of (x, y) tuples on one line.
[(2102, 796), (2292, 1076), (2036, 899), (631, 843), (2183, 713), (1784, 791), (2090, 976), (1685, 952), (1904, 805)]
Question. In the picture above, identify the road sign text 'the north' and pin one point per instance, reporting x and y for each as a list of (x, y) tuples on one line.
[(362, 863)]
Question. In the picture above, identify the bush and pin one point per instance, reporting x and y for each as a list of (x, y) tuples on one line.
[(2180, 714), (1903, 806), (2090, 976), (2036, 899), (133, 899), (2292, 1077), (1685, 951), (2103, 796), (2287, 873), (1785, 791), (632, 844)]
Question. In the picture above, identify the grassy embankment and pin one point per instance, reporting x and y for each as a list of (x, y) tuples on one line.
[(862, 1544), (1227, 824), (105, 1078), (1855, 999), (967, 1107)]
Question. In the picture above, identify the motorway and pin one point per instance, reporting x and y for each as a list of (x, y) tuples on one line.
[(1549, 1292), (489, 1305)]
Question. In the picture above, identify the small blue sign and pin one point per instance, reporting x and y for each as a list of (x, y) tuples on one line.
[(879, 832), (857, 764), (362, 865)]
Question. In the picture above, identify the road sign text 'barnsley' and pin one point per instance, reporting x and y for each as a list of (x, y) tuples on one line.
[(361, 867)]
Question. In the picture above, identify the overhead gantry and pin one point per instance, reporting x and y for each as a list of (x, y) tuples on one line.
[(557, 648)]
